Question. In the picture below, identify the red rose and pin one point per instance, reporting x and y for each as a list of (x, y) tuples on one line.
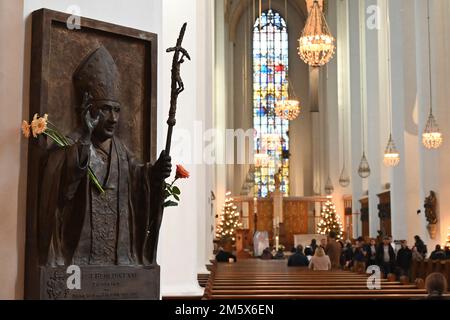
[(182, 173)]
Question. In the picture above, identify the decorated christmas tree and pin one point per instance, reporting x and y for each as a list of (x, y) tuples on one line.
[(229, 221), (330, 221)]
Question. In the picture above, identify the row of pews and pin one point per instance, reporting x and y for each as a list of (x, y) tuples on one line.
[(272, 279)]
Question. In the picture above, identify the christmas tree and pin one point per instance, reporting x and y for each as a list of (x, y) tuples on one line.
[(229, 221), (330, 221)]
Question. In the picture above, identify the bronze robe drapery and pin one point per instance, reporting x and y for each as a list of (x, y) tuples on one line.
[(66, 201)]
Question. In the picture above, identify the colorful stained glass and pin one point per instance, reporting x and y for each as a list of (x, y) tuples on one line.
[(270, 65)]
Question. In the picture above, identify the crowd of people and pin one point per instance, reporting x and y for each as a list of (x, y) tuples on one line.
[(361, 255)]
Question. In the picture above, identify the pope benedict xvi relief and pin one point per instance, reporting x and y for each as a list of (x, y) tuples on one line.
[(79, 224), (95, 202)]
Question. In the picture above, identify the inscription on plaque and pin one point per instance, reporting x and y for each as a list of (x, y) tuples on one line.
[(102, 283)]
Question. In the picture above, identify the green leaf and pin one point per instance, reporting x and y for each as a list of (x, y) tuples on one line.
[(176, 197), (166, 194), (176, 191), (170, 204)]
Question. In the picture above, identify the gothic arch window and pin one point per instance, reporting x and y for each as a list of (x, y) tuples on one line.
[(270, 65)]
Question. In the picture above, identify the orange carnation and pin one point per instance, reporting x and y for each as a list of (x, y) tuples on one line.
[(39, 125), (182, 173), (26, 129)]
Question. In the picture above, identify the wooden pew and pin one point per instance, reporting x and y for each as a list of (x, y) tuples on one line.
[(256, 279)]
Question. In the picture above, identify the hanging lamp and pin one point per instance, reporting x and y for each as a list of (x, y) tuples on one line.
[(391, 154), (364, 167), (431, 137), (288, 108), (261, 158), (329, 188), (316, 44), (344, 179)]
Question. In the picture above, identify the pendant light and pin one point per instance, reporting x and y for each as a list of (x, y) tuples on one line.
[(261, 158), (288, 108), (431, 137), (364, 167), (391, 154), (329, 188), (344, 179), (316, 44)]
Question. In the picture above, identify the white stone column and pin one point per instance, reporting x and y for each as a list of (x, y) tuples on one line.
[(179, 248), (441, 77), (372, 100), (13, 150), (355, 102), (405, 177)]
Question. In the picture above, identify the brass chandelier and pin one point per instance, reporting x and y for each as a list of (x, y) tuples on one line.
[(288, 108), (316, 44)]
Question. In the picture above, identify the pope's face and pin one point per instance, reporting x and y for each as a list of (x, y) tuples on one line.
[(108, 113)]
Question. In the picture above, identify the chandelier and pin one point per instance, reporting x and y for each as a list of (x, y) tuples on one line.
[(364, 168), (391, 155), (271, 141), (316, 44), (287, 109), (261, 160), (344, 180), (431, 137), (329, 188)]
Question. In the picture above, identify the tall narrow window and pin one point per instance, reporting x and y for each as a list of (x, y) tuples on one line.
[(270, 65)]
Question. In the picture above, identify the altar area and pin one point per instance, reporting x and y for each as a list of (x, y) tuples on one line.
[(289, 221)]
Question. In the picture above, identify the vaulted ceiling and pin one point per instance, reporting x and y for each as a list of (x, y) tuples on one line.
[(234, 9)]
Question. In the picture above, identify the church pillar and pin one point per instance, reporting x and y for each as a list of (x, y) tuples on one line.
[(405, 177), (374, 103), (428, 160), (355, 103), (440, 43), (13, 151), (179, 249)]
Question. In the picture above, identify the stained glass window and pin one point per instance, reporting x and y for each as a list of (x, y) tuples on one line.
[(270, 66)]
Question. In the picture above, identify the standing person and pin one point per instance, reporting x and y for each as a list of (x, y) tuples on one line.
[(347, 255), (313, 246), (421, 247), (386, 256), (320, 261), (323, 243), (416, 255), (371, 250), (359, 256), (404, 259), (333, 250)]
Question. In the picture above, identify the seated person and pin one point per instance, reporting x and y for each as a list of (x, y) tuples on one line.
[(320, 261), (298, 259), (266, 255), (309, 253), (438, 254), (436, 285), (224, 256), (279, 255)]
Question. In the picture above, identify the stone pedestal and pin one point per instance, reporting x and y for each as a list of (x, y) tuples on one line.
[(101, 283)]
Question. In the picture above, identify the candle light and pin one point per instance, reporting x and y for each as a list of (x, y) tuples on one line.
[(277, 242)]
